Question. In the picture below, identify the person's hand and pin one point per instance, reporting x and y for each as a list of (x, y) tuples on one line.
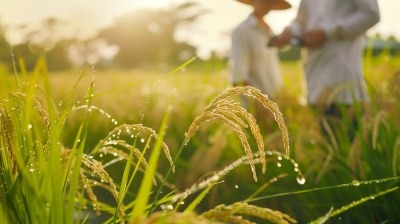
[(282, 39), (314, 38)]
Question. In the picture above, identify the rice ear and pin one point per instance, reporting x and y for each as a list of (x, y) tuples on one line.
[(227, 213), (229, 112), (134, 130)]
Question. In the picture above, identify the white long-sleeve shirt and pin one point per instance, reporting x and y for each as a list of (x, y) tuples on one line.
[(252, 60), (335, 69)]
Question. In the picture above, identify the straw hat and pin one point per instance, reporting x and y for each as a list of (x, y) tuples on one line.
[(278, 4)]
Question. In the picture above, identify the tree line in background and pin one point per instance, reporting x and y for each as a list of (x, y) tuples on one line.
[(144, 36)]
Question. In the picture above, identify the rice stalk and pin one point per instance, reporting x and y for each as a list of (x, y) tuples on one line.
[(351, 184), (324, 218), (354, 204), (215, 177), (264, 186)]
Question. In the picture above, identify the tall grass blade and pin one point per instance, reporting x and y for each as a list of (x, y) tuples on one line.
[(78, 160), (70, 159), (54, 149), (124, 186), (146, 184)]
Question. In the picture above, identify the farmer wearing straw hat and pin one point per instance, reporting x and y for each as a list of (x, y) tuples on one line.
[(332, 33), (252, 61)]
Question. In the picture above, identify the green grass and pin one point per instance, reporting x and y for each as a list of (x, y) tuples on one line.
[(71, 147)]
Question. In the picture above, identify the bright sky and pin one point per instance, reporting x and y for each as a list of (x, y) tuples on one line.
[(83, 18)]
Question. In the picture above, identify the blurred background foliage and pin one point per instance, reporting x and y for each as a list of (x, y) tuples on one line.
[(144, 37)]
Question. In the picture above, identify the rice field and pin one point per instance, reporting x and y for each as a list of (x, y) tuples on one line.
[(176, 146)]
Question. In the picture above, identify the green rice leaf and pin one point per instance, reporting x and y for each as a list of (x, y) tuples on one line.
[(146, 184)]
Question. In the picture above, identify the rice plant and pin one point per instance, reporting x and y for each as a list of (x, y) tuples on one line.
[(36, 167), (43, 181)]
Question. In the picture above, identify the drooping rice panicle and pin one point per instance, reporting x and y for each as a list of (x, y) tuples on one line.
[(122, 155), (91, 173), (265, 101), (208, 116), (133, 130), (227, 111)]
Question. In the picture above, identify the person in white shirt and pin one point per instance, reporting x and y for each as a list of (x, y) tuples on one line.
[(332, 32), (252, 61)]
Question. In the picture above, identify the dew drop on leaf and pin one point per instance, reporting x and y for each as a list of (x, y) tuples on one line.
[(356, 183), (300, 179)]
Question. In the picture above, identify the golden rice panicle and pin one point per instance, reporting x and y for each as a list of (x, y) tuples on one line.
[(92, 174), (37, 104), (7, 132), (255, 130), (135, 130), (207, 116), (112, 148), (266, 102), (122, 155), (171, 217), (85, 183), (263, 213), (14, 103), (231, 113), (223, 213)]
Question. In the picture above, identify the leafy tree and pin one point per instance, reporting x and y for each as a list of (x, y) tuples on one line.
[(147, 36)]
